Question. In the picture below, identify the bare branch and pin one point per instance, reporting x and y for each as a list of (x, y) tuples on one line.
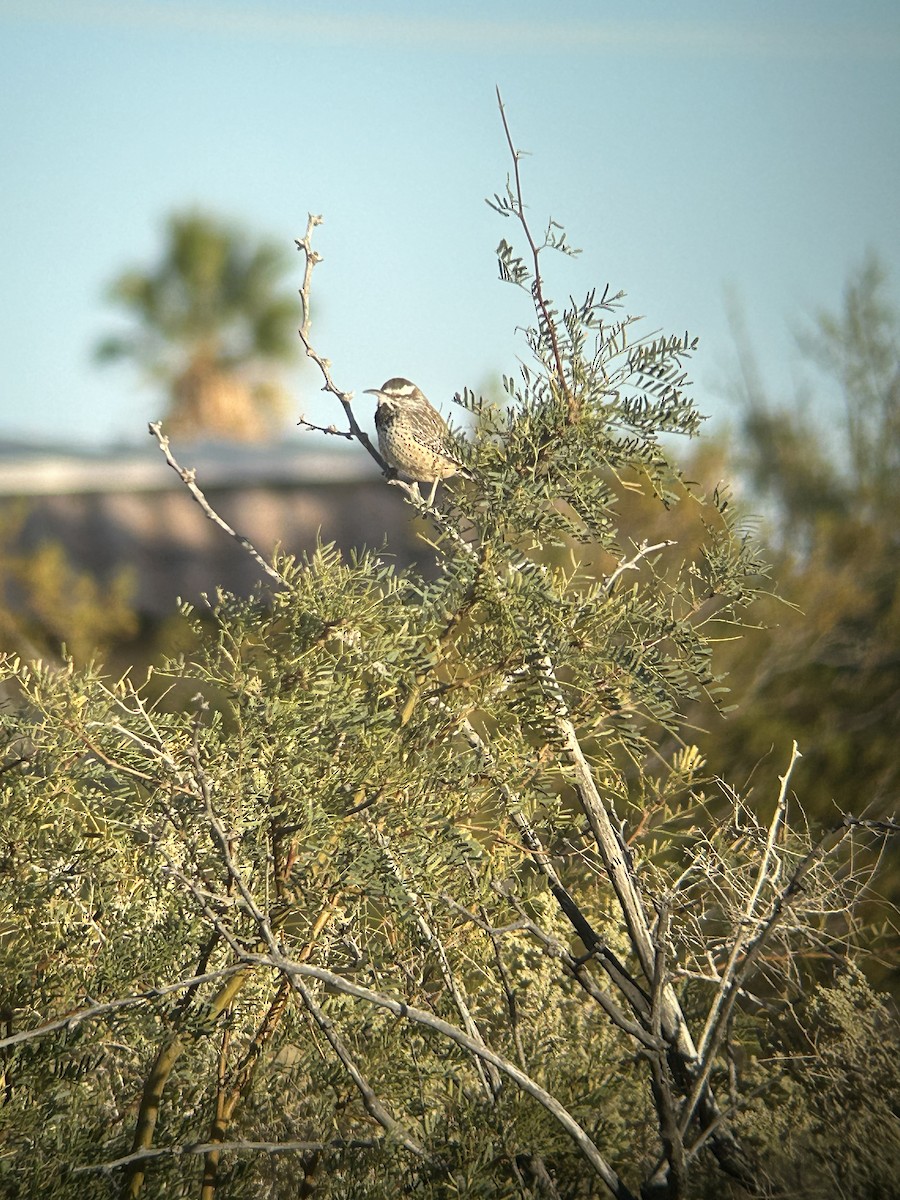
[(370, 1100), (593, 943), (672, 1169), (311, 259), (608, 842), (332, 430), (506, 981), (428, 1020), (632, 563), (888, 825), (779, 909), (139, 1156), (714, 1016), (93, 1011), (188, 478), (576, 969), (372, 1104), (612, 851), (538, 286)]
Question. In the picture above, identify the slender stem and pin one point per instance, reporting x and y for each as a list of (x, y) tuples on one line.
[(592, 941), (743, 933), (632, 564), (298, 972), (312, 258), (781, 905), (167, 1056), (538, 286), (176, 1151), (370, 1100), (211, 1160), (93, 1011), (189, 478)]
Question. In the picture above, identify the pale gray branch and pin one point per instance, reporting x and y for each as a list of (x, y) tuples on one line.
[(93, 1011), (311, 259), (189, 479), (400, 1008), (743, 932), (593, 943), (632, 564), (779, 908), (371, 1102), (128, 1160)]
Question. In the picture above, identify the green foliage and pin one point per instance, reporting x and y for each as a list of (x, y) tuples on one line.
[(362, 911), (48, 606), (831, 1122), (827, 669)]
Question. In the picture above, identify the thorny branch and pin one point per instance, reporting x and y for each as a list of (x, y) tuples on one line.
[(400, 1009), (188, 475), (593, 943), (230, 1090), (189, 478), (632, 564), (673, 1026), (671, 1172), (778, 910), (714, 1018), (488, 1075), (538, 285), (95, 1010), (311, 260)]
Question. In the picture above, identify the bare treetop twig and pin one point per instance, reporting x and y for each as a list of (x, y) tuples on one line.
[(312, 258), (538, 285)]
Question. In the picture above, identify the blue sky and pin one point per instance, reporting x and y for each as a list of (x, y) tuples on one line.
[(691, 150)]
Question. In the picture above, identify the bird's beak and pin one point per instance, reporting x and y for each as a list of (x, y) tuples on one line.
[(372, 392)]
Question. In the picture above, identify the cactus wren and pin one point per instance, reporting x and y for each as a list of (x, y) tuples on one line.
[(412, 435)]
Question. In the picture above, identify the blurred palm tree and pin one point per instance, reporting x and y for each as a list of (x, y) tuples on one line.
[(213, 327)]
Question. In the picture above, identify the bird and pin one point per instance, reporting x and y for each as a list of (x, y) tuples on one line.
[(412, 435)]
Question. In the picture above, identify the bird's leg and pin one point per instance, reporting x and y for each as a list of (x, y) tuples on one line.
[(432, 493)]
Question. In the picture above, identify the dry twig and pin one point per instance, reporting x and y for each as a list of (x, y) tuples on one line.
[(189, 478)]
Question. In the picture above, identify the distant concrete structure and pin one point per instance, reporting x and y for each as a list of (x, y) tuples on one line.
[(125, 507)]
